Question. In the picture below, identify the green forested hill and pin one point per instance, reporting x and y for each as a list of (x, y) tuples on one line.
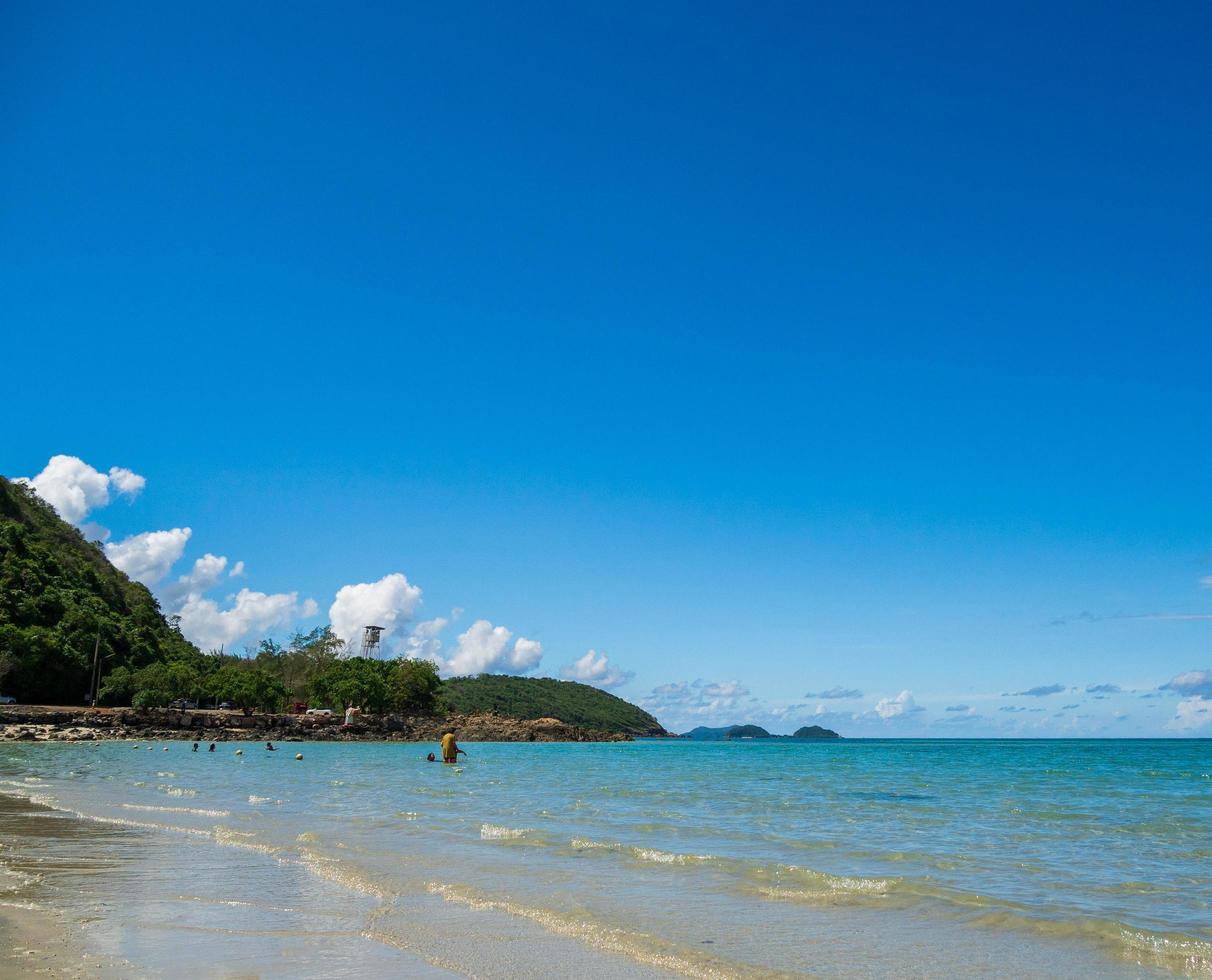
[(58, 592), (542, 697)]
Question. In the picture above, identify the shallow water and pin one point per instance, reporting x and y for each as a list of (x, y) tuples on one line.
[(855, 858)]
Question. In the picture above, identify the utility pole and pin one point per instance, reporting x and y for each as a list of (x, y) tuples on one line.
[(94, 685)]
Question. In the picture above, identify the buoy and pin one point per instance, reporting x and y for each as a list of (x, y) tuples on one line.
[(239, 751), (166, 748), (299, 756)]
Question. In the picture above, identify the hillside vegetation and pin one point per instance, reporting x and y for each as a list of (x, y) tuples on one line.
[(541, 697), (58, 593)]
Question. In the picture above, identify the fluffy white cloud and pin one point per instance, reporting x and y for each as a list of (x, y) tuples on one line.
[(206, 573), (390, 602), (210, 627), (485, 648), (206, 624), (75, 489), (147, 557), (1192, 682), (595, 668), (526, 655), (310, 608), (897, 707), (126, 482), (237, 570), (424, 642), (1190, 715)]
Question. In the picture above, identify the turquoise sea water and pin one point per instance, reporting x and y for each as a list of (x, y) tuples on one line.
[(854, 858)]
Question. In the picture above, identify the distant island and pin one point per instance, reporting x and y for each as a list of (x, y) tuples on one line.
[(704, 734)]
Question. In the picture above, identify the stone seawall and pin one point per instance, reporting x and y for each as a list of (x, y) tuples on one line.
[(38, 724)]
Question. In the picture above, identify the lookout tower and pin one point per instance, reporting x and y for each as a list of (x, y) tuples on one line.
[(370, 641)]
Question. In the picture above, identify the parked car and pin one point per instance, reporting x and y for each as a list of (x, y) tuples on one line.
[(7, 699), (184, 704), (322, 712), (227, 706)]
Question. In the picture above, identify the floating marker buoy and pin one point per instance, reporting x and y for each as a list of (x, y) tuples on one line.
[(239, 751), (299, 756), (166, 748)]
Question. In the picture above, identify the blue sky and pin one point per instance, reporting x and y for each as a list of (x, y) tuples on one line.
[(775, 349)]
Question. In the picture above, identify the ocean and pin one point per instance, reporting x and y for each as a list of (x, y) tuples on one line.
[(655, 858)]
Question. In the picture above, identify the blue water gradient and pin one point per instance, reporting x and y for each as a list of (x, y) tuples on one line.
[(727, 858)]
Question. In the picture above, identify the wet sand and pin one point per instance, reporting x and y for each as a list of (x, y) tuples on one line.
[(74, 907)]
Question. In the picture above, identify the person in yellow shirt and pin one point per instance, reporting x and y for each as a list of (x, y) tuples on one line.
[(450, 749)]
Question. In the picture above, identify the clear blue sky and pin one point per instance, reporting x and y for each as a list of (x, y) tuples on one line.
[(856, 347)]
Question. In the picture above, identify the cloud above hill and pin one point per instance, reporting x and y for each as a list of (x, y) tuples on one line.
[(148, 557), (76, 489), (595, 668), (485, 649)]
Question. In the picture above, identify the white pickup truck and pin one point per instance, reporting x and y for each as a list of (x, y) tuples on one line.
[(325, 712)]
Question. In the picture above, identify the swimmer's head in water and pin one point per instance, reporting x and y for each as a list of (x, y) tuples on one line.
[(431, 758)]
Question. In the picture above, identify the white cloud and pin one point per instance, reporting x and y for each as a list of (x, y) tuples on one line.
[(126, 482), (1190, 715), (310, 608), (204, 623), (485, 648), (423, 643), (147, 557), (389, 602), (1206, 582), (595, 668), (237, 570), (1192, 682), (897, 707), (205, 575), (75, 489), (526, 655)]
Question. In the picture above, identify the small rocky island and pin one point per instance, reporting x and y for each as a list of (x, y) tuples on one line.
[(734, 732)]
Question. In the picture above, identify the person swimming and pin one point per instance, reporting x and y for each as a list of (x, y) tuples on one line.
[(431, 758), (269, 747), (450, 749), (195, 746), (212, 747)]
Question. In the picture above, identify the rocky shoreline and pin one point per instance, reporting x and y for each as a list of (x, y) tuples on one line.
[(40, 724)]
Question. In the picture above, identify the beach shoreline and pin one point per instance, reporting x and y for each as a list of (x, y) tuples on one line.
[(48, 723)]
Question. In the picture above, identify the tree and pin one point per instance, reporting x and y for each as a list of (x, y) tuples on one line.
[(247, 686), (414, 686), (357, 680), (117, 688), (153, 686)]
